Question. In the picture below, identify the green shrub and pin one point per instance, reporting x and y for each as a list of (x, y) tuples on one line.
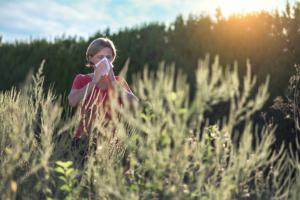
[(165, 149)]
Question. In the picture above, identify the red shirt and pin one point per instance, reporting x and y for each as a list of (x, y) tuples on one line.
[(97, 98)]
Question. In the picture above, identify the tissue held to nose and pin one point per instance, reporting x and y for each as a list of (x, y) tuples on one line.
[(105, 69)]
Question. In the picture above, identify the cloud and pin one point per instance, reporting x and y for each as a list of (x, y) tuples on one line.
[(52, 18), (49, 18), (76, 17)]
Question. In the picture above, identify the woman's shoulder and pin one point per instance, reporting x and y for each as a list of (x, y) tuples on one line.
[(84, 76), (80, 80), (117, 78), (120, 79)]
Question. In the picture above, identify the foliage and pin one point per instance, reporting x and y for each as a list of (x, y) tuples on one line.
[(163, 149)]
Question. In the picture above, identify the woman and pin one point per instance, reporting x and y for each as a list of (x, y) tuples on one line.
[(95, 89)]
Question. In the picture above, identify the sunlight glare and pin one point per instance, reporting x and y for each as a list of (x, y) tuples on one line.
[(229, 7)]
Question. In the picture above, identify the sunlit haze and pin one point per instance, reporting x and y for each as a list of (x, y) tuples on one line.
[(23, 20)]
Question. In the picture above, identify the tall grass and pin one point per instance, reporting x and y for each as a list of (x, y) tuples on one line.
[(166, 148)]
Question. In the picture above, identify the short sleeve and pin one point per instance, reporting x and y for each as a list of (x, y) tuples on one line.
[(77, 82)]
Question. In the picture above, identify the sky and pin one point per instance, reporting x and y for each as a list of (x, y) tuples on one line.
[(25, 19)]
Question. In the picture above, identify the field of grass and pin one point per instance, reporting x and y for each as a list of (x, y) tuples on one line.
[(165, 149)]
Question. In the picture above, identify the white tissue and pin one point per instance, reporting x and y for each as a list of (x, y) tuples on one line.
[(106, 68)]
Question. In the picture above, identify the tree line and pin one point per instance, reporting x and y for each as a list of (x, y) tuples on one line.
[(270, 40)]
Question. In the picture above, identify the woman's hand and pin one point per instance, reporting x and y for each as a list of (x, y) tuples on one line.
[(104, 75), (101, 69)]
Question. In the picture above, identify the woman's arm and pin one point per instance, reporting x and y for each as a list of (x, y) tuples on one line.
[(128, 94), (131, 97), (76, 95)]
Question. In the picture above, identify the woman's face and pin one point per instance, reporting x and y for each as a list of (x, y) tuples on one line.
[(105, 52)]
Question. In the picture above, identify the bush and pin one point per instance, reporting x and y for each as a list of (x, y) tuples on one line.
[(165, 149)]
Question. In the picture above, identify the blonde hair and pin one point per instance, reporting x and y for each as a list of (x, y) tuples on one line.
[(96, 46)]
